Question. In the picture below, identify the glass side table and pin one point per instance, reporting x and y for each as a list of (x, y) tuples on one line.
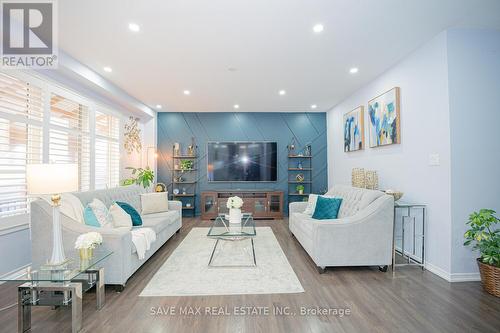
[(63, 285), (410, 257)]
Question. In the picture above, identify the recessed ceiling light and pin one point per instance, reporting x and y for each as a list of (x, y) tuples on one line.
[(107, 69), (318, 28), (282, 92), (187, 92), (158, 106), (313, 106), (236, 106), (134, 27), (353, 70)]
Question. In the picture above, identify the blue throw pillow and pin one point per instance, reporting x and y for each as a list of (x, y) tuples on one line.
[(89, 218), (134, 214), (327, 208)]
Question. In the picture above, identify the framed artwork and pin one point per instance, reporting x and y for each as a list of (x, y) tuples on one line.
[(354, 130), (384, 119)]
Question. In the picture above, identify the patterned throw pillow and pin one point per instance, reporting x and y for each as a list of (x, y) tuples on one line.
[(327, 208), (101, 213)]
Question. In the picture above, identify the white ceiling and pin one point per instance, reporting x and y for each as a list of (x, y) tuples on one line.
[(191, 44)]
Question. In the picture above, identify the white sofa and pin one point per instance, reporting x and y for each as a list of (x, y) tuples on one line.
[(361, 236), (124, 260)]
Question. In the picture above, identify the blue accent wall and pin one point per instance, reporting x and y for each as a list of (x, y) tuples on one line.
[(307, 128)]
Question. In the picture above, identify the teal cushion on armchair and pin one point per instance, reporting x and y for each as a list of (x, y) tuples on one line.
[(327, 208), (134, 214)]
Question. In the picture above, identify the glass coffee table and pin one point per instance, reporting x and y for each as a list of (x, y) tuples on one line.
[(222, 230), (44, 285)]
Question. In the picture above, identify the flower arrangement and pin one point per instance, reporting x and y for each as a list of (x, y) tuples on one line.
[(300, 189), (90, 240), (234, 202)]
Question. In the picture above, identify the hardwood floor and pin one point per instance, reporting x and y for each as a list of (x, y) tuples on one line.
[(412, 301)]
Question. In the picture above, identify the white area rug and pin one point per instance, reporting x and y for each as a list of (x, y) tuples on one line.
[(186, 271)]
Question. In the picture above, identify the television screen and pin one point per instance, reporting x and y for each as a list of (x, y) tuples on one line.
[(242, 162)]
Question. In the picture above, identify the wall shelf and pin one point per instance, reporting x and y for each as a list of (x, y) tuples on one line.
[(191, 176), (186, 157), (299, 164)]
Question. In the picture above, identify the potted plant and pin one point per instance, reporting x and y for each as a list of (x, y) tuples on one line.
[(300, 189), (484, 235), (140, 176), (187, 165)]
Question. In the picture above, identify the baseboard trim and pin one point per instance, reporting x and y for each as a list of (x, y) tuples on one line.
[(15, 273), (465, 277), (438, 271), (452, 277)]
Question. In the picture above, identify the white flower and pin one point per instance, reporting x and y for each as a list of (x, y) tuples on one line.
[(89, 240), (234, 202)]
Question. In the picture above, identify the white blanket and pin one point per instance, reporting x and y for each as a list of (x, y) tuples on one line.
[(142, 239)]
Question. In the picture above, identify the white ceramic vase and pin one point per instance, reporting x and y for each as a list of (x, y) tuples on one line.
[(235, 216)]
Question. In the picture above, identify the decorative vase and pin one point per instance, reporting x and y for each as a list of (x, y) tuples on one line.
[(235, 216), (301, 191), (86, 254)]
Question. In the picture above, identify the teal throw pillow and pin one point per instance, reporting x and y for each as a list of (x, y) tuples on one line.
[(327, 208), (134, 214), (90, 218)]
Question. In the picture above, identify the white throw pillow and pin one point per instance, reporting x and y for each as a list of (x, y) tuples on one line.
[(311, 204), (101, 213), (121, 219), (154, 202)]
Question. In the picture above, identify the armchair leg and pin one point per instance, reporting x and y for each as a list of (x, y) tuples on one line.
[(321, 269), (383, 268)]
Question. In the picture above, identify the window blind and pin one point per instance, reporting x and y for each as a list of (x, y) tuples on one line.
[(69, 139), (107, 152), (21, 115)]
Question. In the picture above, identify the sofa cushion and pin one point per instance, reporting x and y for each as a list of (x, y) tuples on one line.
[(154, 203), (353, 199), (134, 214), (101, 213), (121, 219), (327, 208), (89, 218), (159, 221)]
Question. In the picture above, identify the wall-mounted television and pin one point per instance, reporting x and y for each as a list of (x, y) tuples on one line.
[(242, 161)]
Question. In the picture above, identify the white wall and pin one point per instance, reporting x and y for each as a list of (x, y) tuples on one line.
[(474, 82), (425, 129), (147, 156)]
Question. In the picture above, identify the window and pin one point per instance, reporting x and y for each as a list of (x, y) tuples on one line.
[(107, 153), (69, 139), (21, 114), (41, 122)]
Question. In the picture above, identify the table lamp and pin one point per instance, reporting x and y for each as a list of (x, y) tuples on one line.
[(53, 179)]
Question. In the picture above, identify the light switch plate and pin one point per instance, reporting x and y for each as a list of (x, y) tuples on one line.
[(434, 159)]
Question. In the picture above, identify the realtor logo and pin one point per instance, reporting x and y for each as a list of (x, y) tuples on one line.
[(28, 34)]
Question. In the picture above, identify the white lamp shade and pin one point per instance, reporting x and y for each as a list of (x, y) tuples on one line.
[(51, 178)]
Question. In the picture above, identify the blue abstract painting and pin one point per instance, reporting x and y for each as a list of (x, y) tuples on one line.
[(354, 132), (383, 113)]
